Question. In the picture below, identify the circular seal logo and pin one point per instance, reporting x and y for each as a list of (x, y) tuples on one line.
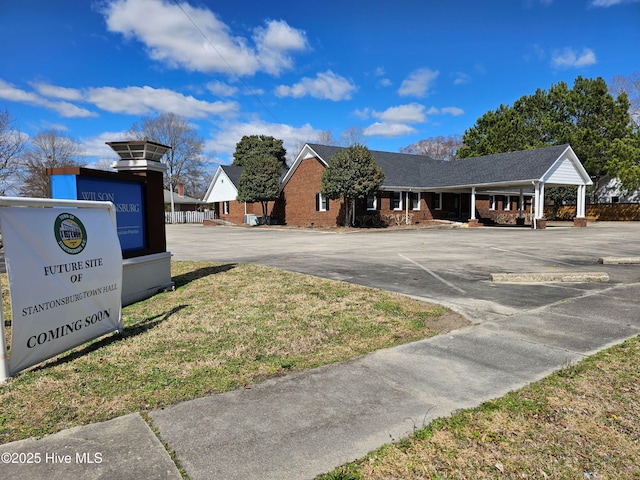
[(70, 233)]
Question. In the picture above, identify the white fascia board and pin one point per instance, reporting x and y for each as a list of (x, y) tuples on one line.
[(570, 155), (211, 184), (305, 153), (214, 194)]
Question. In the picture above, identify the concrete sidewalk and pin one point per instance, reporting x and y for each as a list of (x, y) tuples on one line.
[(305, 424)]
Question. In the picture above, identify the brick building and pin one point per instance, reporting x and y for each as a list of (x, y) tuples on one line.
[(502, 188)]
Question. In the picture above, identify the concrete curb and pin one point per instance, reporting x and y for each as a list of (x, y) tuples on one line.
[(570, 277), (619, 260)]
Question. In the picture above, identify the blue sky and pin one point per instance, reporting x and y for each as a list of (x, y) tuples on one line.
[(399, 70)]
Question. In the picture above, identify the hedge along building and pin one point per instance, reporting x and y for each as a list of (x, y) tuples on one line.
[(502, 188)]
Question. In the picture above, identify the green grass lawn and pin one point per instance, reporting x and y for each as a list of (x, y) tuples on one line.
[(225, 326)]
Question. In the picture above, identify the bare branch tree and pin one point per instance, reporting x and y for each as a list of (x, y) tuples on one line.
[(352, 136), (440, 147), (48, 149), (325, 137), (12, 144), (631, 86), (186, 162)]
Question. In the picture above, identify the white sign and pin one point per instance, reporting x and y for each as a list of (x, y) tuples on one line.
[(65, 278)]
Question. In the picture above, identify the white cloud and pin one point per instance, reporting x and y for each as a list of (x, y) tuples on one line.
[(382, 129), (396, 121), (273, 44), (363, 114), (455, 111), (224, 141), (409, 113), (53, 91), (610, 3), (146, 100), (327, 85), (129, 100), (569, 58), (169, 33), (96, 147), (418, 83), (221, 89), (461, 78), (65, 109)]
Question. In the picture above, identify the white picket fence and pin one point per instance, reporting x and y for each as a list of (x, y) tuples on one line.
[(188, 217)]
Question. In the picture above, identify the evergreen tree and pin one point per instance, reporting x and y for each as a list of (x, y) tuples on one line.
[(260, 182), (585, 116), (351, 174), (252, 146)]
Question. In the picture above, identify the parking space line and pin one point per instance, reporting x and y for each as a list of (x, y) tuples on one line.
[(434, 274), (532, 256)]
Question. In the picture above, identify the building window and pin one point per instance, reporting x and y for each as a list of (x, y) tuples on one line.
[(492, 202), (322, 203), (437, 201), (506, 202), (225, 208), (615, 199), (414, 200), (372, 202), (396, 200)]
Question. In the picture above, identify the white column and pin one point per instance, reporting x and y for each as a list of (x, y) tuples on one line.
[(581, 202), (521, 203), (536, 201), (473, 203), (541, 200)]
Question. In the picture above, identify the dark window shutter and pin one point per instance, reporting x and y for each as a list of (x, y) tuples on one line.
[(317, 202), (327, 204)]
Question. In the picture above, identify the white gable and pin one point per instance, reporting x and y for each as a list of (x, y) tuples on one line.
[(564, 173), (567, 170), (221, 188)]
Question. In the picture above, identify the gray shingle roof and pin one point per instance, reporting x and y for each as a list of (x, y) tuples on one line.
[(420, 171), (512, 167), (233, 172)]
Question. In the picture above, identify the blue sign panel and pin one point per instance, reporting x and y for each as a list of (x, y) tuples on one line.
[(128, 197)]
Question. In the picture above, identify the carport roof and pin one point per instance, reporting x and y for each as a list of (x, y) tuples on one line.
[(421, 172)]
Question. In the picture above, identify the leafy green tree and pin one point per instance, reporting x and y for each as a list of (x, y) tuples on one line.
[(586, 116), (599, 119), (260, 181), (351, 174), (252, 146), (626, 161)]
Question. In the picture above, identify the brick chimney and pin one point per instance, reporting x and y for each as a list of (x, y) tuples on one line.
[(180, 189)]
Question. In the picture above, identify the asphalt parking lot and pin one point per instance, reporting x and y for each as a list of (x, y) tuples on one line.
[(451, 266), (300, 425)]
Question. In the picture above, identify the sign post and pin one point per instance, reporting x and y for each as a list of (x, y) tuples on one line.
[(64, 266)]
